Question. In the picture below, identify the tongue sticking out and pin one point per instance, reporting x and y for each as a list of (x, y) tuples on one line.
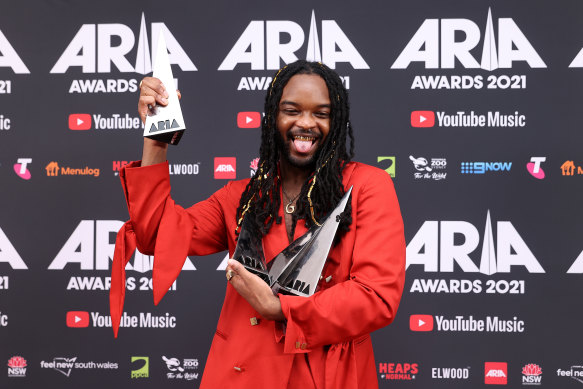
[(303, 146)]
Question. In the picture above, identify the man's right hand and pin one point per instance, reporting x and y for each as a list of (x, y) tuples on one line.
[(152, 92)]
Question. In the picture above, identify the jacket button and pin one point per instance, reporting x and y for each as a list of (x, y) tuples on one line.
[(297, 344), (254, 321), (237, 368), (303, 346), (328, 279)]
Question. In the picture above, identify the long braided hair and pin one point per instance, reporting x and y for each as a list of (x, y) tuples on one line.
[(323, 189)]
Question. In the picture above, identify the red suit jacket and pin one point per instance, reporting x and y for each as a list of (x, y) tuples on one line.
[(365, 274)]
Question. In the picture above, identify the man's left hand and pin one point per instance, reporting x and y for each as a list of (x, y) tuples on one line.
[(253, 289)]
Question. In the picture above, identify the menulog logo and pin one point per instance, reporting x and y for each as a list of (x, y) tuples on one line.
[(53, 170)]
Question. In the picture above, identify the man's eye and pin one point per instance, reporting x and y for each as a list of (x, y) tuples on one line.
[(323, 115)]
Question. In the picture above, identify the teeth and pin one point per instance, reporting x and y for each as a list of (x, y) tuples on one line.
[(305, 138)]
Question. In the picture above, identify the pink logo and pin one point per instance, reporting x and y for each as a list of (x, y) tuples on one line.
[(20, 168), (534, 168)]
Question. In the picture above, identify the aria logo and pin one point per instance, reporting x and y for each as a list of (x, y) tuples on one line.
[(83, 51), (431, 248), (260, 45), (496, 373), (436, 44), (10, 58)]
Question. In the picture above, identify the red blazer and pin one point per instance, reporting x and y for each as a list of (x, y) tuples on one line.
[(367, 270)]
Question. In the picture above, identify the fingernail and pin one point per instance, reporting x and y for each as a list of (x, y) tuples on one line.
[(166, 94), (164, 100), (231, 262)]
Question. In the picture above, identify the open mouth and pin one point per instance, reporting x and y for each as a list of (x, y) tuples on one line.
[(303, 143)]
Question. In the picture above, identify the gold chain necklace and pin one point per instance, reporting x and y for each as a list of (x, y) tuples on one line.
[(290, 208)]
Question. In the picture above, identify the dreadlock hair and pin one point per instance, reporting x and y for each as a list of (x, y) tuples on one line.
[(261, 200)]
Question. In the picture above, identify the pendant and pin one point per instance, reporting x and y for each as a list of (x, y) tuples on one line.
[(290, 208)]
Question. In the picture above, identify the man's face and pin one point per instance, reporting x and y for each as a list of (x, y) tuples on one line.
[(303, 119)]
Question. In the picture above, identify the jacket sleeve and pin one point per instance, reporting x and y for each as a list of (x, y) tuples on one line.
[(164, 229), (369, 298)]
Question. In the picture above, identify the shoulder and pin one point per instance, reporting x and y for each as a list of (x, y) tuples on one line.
[(361, 175)]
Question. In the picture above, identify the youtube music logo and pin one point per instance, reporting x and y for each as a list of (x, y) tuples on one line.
[(79, 121), (422, 119), (249, 120), (77, 319), (421, 323)]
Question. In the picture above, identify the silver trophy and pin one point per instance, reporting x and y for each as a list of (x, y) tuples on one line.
[(297, 269)]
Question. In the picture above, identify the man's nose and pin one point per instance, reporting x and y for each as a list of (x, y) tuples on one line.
[(306, 121)]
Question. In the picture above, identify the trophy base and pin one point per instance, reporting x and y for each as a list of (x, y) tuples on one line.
[(168, 137)]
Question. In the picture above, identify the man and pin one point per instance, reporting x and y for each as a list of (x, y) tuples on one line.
[(262, 340)]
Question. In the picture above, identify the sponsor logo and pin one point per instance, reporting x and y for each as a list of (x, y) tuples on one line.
[(53, 170), (422, 119), (9, 255), (17, 367), (496, 373), (531, 374), (472, 119), (533, 167), (568, 168), (421, 323), (184, 169), (66, 365), (10, 58), (90, 247), (451, 373), (20, 168), (248, 120), (388, 165), (79, 121), (470, 324), (262, 47), (143, 320), (253, 165), (117, 165), (484, 167), (574, 372), (4, 317), (429, 170), (77, 319), (437, 45), (398, 371), (225, 168), (141, 367), (436, 246), (4, 120), (181, 371), (96, 47)]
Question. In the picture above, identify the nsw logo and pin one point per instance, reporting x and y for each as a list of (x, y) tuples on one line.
[(422, 119), (248, 120), (225, 168), (531, 374), (77, 319), (79, 121), (421, 323)]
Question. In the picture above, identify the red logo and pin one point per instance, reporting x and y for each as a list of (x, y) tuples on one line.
[(117, 165), (77, 319), (79, 121), (496, 373), (249, 120), (17, 362), (421, 323), (422, 118), (225, 168)]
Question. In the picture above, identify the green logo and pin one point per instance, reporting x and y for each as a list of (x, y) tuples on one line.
[(144, 371), (390, 165)]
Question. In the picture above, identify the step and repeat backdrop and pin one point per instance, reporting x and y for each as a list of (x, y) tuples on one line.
[(474, 109)]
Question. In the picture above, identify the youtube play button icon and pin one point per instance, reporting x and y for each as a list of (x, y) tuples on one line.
[(421, 323), (249, 120), (77, 319), (79, 121), (422, 118)]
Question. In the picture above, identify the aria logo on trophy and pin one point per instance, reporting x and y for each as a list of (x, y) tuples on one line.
[(165, 123)]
